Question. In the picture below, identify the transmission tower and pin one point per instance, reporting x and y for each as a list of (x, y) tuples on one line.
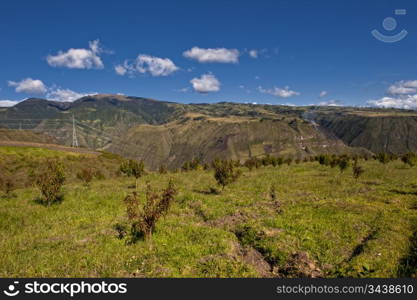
[(74, 133)]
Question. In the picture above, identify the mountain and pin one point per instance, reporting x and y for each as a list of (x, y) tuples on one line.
[(169, 133)]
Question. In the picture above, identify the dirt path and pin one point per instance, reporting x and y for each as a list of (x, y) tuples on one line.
[(48, 146)]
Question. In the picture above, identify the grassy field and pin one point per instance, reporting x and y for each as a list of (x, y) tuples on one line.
[(327, 223)]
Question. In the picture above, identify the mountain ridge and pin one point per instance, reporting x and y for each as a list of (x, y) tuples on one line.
[(169, 133)]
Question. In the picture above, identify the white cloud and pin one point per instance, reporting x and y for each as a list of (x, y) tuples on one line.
[(8, 103), (404, 101), (279, 92), (333, 102), (403, 88), (206, 83), (216, 55), (29, 86), (65, 95), (402, 94), (156, 66), (78, 58), (120, 70), (323, 94), (253, 53)]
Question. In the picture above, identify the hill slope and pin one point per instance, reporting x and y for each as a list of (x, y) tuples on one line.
[(170, 133)]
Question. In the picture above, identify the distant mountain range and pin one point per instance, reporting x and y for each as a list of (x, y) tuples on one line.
[(169, 133)]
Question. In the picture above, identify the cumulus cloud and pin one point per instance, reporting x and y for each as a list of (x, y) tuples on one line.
[(29, 86), (279, 92), (8, 103), (156, 66), (65, 95), (214, 55), (206, 83), (253, 53), (323, 94), (405, 101), (78, 58), (403, 88), (402, 94)]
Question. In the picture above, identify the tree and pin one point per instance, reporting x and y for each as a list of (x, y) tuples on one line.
[(143, 218), (50, 181), (225, 172), (133, 168)]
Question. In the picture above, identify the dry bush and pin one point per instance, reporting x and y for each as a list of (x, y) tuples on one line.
[(86, 175), (162, 169), (143, 218), (7, 184), (357, 170), (50, 181)]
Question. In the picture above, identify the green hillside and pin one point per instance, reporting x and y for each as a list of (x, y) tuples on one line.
[(207, 138), (316, 222), (169, 133)]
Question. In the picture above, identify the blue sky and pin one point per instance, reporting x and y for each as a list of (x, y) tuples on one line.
[(274, 52)]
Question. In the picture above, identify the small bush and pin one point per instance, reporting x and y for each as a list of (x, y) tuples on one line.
[(7, 185), (143, 217), (251, 163), (383, 158), (133, 168), (343, 164), (162, 169), (275, 202), (86, 175), (225, 172), (50, 182), (409, 159), (357, 170)]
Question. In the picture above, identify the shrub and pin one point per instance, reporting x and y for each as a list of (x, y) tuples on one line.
[(251, 163), (143, 218), (50, 181), (324, 160), (86, 175), (273, 196), (383, 158), (357, 170), (99, 175), (162, 169), (133, 168), (7, 185), (343, 164), (225, 172), (409, 159), (193, 164)]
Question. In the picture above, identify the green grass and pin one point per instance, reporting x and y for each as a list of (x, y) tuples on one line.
[(348, 227)]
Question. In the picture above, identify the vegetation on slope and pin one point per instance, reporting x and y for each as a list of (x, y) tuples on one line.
[(305, 219)]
